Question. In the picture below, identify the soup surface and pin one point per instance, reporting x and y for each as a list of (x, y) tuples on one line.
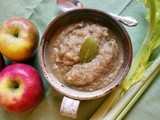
[(63, 56)]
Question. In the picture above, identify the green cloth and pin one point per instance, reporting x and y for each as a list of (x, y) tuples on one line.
[(41, 13)]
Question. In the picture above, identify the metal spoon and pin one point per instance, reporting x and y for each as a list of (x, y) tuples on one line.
[(66, 5)]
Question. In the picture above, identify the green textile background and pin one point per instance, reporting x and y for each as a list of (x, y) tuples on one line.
[(41, 13)]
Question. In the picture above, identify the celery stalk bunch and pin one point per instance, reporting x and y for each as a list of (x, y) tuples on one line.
[(142, 72)]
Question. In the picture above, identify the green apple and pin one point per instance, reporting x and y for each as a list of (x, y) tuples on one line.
[(19, 39), (21, 87)]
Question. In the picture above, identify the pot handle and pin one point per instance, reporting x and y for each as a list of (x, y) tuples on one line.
[(69, 107)]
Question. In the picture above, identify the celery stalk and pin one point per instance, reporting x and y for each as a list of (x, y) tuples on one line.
[(141, 72), (133, 92), (105, 107), (138, 95), (143, 49), (112, 114)]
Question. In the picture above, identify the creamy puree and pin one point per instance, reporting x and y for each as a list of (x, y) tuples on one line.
[(63, 56)]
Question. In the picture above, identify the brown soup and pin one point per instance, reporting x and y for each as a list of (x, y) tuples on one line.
[(63, 56)]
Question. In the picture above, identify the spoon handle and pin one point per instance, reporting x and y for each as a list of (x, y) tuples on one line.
[(127, 20)]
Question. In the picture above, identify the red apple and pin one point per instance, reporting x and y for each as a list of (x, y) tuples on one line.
[(19, 38), (2, 63), (20, 87)]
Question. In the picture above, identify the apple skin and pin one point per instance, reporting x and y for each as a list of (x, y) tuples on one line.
[(19, 39), (2, 63), (21, 87)]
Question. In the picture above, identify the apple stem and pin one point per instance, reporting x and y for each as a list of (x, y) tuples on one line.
[(15, 84), (16, 34)]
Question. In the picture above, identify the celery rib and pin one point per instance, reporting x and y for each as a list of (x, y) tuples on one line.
[(105, 107), (134, 85), (138, 95), (136, 61), (134, 91)]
